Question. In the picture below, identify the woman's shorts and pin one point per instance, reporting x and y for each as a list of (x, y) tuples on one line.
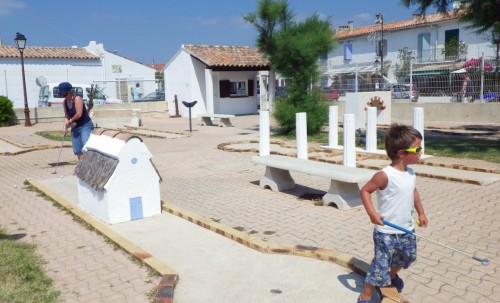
[(391, 250), (80, 135)]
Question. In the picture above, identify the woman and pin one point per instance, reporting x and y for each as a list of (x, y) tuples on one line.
[(76, 117)]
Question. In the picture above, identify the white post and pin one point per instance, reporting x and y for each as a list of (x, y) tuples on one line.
[(264, 134), (301, 130), (333, 126), (349, 141), (371, 129), (418, 122)]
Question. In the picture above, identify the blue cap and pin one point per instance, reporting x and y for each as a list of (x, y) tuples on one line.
[(64, 88)]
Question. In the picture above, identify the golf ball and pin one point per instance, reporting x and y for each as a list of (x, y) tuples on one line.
[(15, 186), (62, 177), (418, 222)]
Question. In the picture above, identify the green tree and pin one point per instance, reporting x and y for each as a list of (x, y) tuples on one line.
[(402, 67), (482, 15), (6, 111), (293, 49)]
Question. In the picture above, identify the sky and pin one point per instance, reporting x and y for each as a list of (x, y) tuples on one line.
[(152, 31)]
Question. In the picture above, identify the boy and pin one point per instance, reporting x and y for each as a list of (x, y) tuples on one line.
[(396, 197)]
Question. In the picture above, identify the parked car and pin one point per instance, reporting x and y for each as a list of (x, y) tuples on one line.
[(330, 93), (158, 95), (402, 91)]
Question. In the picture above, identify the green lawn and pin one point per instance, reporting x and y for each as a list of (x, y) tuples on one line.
[(22, 277)]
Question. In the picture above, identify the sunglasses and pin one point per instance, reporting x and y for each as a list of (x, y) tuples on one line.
[(416, 150)]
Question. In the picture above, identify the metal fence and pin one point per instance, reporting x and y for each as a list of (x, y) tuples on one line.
[(427, 77)]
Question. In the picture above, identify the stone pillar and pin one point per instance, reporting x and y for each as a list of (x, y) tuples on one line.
[(371, 129), (264, 133), (301, 130), (333, 126), (349, 141)]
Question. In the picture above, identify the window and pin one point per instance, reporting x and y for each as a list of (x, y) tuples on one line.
[(76, 91), (229, 89), (424, 47), (348, 51)]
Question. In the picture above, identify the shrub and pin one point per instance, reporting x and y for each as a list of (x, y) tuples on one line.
[(313, 104), (6, 111)]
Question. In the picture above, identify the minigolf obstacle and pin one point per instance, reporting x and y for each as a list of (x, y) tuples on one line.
[(116, 179)]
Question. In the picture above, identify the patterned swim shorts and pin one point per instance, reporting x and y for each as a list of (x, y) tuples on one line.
[(391, 250)]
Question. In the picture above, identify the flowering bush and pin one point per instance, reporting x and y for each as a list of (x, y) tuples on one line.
[(474, 66)]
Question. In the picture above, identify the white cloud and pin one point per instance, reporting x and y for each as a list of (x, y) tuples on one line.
[(7, 7)]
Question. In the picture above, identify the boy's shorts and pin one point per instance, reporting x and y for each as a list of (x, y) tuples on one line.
[(391, 250)]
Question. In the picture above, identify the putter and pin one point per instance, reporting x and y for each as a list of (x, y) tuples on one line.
[(59, 157), (484, 262)]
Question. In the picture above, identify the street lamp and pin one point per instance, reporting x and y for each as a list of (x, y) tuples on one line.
[(377, 66), (380, 20), (21, 44)]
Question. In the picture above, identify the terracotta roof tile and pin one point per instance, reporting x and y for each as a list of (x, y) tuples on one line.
[(36, 52), (396, 26), (227, 56)]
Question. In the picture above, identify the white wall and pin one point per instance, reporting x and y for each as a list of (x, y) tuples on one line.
[(70, 70), (236, 106), (178, 82)]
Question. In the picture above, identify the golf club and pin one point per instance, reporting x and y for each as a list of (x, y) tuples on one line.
[(60, 150), (484, 262)]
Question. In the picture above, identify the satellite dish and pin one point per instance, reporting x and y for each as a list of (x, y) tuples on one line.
[(41, 81)]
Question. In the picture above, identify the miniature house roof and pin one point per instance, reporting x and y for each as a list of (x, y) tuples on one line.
[(101, 157)]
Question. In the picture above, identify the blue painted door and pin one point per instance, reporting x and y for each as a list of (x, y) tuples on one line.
[(136, 208)]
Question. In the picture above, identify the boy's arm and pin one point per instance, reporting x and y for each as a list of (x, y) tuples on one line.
[(417, 203), (378, 181)]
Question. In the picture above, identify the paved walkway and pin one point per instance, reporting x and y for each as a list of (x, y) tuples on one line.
[(223, 186)]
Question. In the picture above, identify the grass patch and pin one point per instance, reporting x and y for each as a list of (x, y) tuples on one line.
[(22, 277), (55, 135), (461, 148)]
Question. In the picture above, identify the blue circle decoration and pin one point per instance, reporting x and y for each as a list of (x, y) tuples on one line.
[(134, 160)]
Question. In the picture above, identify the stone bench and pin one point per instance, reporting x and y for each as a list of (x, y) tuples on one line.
[(224, 120), (116, 118), (345, 185)]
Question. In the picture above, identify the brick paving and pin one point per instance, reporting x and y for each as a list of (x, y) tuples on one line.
[(224, 186)]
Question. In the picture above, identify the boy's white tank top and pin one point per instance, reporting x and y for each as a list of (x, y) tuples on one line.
[(396, 202)]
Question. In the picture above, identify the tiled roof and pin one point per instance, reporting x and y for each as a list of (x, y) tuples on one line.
[(397, 25), (36, 52), (227, 56)]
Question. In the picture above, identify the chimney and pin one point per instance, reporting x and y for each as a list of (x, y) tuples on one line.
[(343, 27), (351, 25)]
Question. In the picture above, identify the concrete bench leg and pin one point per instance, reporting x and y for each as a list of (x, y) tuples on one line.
[(277, 179), (344, 195), (206, 121), (225, 122)]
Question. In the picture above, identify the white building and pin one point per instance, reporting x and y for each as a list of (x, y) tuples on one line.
[(426, 36), (222, 79), (88, 65)]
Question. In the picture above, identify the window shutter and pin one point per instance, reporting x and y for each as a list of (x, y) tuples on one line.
[(348, 51), (250, 88), (225, 88)]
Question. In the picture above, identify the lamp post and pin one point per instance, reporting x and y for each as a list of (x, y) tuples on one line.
[(380, 20), (377, 66), (21, 44)]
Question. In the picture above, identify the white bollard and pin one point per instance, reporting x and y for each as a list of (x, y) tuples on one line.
[(371, 129), (418, 122), (349, 140), (301, 132), (264, 134), (333, 126)]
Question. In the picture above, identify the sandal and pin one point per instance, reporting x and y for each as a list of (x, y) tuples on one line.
[(363, 301), (398, 283)]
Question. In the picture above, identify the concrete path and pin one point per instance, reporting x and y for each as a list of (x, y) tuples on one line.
[(213, 268)]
